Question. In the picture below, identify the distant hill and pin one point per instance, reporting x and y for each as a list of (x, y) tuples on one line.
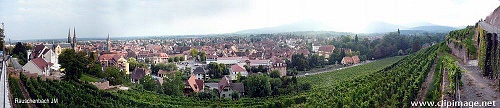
[(434, 29), (381, 27), (304, 25)]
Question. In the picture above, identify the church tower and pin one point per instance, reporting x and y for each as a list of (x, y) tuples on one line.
[(74, 38), (69, 35), (109, 43)]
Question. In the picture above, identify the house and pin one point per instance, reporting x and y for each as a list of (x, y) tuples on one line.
[(347, 60), (226, 88), (315, 48), (124, 65), (138, 74), (193, 85), (38, 66), (118, 60), (200, 73), (278, 64), (60, 47), (158, 57), (355, 59), (41, 51), (326, 50), (235, 70)]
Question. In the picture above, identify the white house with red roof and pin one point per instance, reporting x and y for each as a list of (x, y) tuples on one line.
[(38, 66), (235, 70)]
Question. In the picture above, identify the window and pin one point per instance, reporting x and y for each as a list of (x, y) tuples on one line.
[(223, 95)]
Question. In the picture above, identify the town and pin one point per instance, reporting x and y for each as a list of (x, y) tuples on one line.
[(203, 64)]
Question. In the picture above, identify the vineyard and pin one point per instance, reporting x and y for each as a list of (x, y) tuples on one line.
[(391, 82)]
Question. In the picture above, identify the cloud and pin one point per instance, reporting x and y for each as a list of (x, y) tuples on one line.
[(41, 19)]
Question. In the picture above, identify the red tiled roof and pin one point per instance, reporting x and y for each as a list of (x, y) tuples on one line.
[(196, 84), (223, 83), (326, 48), (355, 59), (347, 60), (40, 63), (238, 68)]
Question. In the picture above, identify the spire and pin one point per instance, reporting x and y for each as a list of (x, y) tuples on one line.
[(74, 38), (69, 35), (108, 37), (108, 42)]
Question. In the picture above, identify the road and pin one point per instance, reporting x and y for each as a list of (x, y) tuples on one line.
[(16, 64), (476, 87), (332, 69)]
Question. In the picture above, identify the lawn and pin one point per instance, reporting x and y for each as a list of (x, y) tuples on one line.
[(88, 78)]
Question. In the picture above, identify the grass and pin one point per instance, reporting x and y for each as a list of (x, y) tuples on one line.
[(88, 78)]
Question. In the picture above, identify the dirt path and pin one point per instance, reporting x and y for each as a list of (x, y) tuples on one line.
[(477, 88), (25, 93), (425, 86)]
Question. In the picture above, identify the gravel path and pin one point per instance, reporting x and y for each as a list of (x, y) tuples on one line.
[(476, 87)]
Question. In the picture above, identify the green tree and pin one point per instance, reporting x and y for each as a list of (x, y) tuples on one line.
[(19, 52), (194, 52), (171, 59), (176, 59), (133, 63), (217, 70), (258, 86), (275, 74), (114, 75), (73, 64), (96, 70), (203, 56), (235, 95), (182, 58), (148, 83), (173, 85)]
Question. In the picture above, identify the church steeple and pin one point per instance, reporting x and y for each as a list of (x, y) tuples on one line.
[(74, 38), (108, 41), (69, 35)]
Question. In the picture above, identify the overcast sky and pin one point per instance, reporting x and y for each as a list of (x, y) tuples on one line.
[(49, 19)]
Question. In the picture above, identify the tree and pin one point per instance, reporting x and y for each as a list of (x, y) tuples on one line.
[(275, 74), (19, 52), (73, 64), (176, 59), (235, 95), (300, 62), (182, 58), (415, 46), (148, 83), (114, 75), (194, 52), (133, 63), (203, 56), (173, 85), (258, 86), (217, 70), (162, 66), (171, 59), (356, 39), (96, 70)]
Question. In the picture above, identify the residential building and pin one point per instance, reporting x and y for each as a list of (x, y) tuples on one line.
[(38, 66), (235, 70), (226, 88)]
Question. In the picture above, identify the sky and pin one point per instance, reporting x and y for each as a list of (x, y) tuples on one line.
[(51, 19)]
